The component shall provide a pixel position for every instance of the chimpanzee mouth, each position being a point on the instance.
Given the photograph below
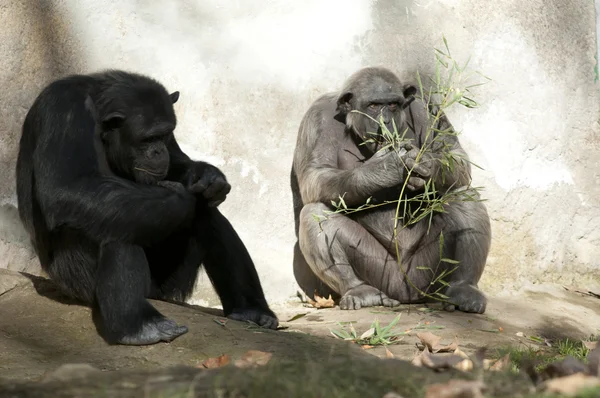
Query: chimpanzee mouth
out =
(152, 173)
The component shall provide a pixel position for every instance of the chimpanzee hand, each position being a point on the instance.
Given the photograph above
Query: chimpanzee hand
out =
(208, 181)
(428, 165)
(173, 186)
(402, 160)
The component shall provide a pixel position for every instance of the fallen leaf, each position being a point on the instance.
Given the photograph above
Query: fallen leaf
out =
(456, 389)
(366, 347)
(216, 362)
(501, 364)
(436, 362)
(253, 358)
(388, 353)
(320, 302)
(432, 342)
(500, 328)
(520, 334)
(221, 321)
(590, 345)
(465, 365)
(392, 395)
(461, 353)
(569, 385)
(297, 316)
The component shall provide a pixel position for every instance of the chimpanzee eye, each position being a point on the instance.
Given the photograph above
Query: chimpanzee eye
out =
(373, 107)
(393, 106)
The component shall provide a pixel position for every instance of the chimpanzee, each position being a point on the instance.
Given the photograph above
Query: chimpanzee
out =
(353, 256)
(118, 213)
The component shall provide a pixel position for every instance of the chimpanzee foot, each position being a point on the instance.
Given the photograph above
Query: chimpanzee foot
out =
(365, 296)
(266, 319)
(154, 331)
(466, 298)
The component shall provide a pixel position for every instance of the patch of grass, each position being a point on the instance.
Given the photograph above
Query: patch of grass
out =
(543, 356)
(375, 335)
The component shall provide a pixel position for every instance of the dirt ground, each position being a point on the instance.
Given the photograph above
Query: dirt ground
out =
(40, 331)
(549, 312)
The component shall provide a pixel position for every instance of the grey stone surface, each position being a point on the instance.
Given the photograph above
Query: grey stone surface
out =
(247, 71)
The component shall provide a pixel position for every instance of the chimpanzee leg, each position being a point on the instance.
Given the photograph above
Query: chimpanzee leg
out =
(122, 287)
(231, 269)
(174, 265)
(308, 281)
(467, 239)
(348, 258)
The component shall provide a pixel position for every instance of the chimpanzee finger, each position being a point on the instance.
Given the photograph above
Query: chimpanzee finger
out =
(220, 196)
(199, 186)
(408, 146)
(215, 203)
(417, 168)
(416, 183)
(215, 187)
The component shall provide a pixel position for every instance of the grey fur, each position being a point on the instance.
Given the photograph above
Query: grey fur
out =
(353, 256)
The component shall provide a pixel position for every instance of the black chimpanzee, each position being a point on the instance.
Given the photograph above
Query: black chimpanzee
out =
(118, 213)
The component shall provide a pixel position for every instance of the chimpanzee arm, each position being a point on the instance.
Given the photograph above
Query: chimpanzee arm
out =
(446, 149)
(316, 164)
(110, 208)
(203, 179)
(72, 191)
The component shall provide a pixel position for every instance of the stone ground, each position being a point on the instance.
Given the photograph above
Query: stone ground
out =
(40, 331)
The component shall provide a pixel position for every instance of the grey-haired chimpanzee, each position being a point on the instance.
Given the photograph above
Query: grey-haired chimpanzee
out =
(354, 255)
(118, 213)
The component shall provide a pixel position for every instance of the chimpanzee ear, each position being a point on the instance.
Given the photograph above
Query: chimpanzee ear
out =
(113, 121)
(409, 90)
(343, 103)
(174, 96)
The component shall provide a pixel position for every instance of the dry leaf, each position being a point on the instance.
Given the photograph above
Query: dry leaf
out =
(569, 385)
(388, 353)
(253, 358)
(320, 302)
(462, 354)
(590, 345)
(216, 362)
(520, 334)
(501, 364)
(366, 347)
(432, 342)
(392, 395)
(436, 362)
(456, 389)
(465, 365)
(297, 316)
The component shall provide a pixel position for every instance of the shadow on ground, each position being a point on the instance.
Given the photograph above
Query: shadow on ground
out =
(40, 331)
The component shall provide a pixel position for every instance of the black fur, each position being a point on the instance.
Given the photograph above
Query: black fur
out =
(118, 213)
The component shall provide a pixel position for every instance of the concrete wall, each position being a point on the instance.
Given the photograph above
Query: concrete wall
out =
(247, 71)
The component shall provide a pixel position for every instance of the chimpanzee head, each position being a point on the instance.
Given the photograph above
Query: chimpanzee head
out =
(376, 92)
(136, 120)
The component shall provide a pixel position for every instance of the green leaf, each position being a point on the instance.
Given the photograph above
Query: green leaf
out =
(449, 260)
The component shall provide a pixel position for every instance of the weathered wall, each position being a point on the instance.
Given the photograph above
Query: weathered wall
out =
(247, 71)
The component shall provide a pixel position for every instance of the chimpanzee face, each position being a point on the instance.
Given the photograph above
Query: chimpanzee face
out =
(378, 96)
(137, 137)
